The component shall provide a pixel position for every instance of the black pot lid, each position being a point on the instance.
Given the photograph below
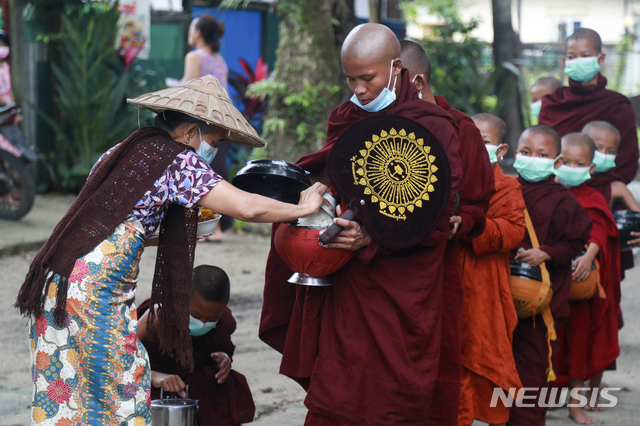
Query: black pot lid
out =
(395, 174)
(272, 178)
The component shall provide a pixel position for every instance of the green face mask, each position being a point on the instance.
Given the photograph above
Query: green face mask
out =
(199, 328)
(492, 149)
(535, 109)
(604, 162)
(582, 70)
(572, 176)
(534, 169)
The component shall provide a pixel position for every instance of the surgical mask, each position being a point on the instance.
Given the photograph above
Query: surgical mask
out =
(492, 150)
(206, 151)
(4, 52)
(572, 176)
(535, 108)
(199, 328)
(413, 81)
(582, 70)
(534, 169)
(604, 162)
(384, 99)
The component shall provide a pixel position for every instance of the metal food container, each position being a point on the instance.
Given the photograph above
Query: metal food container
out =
(172, 411)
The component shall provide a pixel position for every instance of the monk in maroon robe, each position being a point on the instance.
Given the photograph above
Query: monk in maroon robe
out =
(367, 348)
(589, 339)
(562, 226)
(476, 189)
(224, 397)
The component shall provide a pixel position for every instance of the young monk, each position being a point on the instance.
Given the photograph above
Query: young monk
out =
(542, 87)
(476, 190)
(359, 347)
(586, 99)
(589, 339)
(487, 357)
(562, 227)
(222, 393)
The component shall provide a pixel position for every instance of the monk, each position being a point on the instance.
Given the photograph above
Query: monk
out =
(223, 395)
(586, 99)
(476, 190)
(589, 339)
(487, 358)
(367, 348)
(542, 87)
(562, 226)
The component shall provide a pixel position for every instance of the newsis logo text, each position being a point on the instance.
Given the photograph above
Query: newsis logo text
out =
(552, 397)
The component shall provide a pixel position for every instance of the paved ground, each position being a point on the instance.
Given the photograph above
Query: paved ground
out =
(278, 399)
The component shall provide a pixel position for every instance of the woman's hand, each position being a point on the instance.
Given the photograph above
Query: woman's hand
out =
(224, 364)
(168, 382)
(582, 267)
(533, 256)
(311, 199)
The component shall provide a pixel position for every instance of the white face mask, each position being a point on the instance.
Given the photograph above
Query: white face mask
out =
(384, 99)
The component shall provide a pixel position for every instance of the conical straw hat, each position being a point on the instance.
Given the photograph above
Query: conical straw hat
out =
(205, 99)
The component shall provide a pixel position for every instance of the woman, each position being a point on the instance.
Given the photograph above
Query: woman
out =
(204, 35)
(88, 366)
(6, 94)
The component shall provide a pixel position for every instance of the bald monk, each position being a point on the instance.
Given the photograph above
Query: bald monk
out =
(562, 226)
(476, 189)
(367, 348)
(487, 358)
(542, 87)
(589, 339)
(586, 99)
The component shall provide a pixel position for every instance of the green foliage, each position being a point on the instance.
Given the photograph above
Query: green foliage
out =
(306, 111)
(90, 92)
(622, 50)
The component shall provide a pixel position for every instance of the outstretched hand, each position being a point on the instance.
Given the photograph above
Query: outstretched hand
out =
(224, 364)
(311, 198)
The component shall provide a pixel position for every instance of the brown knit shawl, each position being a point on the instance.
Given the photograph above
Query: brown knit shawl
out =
(116, 185)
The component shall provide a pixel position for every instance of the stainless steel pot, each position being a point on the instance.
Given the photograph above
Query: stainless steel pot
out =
(172, 411)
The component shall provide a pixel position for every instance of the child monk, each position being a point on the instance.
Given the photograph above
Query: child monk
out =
(586, 99)
(562, 227)
(476, 190)
(359, 346)
(589, 339)
(542, 87)
(222, 393)
(487, 357)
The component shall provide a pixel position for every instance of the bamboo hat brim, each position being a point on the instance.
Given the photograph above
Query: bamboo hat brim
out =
(203, 98)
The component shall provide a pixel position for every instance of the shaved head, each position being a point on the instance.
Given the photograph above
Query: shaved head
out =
(371, 43)
(581, 140)
(415, 59)
(497, 124)
(546, 131)
(548, 83)
(589, 35)
(604, 126)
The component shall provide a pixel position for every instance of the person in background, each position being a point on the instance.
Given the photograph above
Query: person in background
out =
(204, 36)
(542, 87)
(6, 93)
(224, 397)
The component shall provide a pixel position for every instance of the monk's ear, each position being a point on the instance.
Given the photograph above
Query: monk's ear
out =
(564, 62)
(419, 81)
(397, 66)
(558, 162)
(592, 169)
(601, 59)
(502, 150)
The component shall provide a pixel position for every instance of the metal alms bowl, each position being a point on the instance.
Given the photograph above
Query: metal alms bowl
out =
(274, 179)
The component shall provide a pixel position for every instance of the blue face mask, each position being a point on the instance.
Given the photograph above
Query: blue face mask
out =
(199, 328)
(572, 176)
(534, 169)
(582, 70)
(206, 151)
(384, 99)
(604, 162)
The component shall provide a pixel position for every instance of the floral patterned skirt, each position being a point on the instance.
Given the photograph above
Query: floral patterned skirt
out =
(93, 370)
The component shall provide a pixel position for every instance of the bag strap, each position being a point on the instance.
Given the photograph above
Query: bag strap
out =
(544, 289)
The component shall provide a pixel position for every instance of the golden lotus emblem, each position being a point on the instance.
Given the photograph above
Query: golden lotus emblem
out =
(397, 171)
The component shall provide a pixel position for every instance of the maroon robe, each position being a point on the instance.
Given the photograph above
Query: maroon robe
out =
(562, 226)
(589, 340)
(226, 404)
(367, 348)
(476, 189)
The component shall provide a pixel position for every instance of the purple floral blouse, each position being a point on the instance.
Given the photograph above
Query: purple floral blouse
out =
(184, 182)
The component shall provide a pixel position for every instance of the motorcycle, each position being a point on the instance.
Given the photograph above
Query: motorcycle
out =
(17, 187)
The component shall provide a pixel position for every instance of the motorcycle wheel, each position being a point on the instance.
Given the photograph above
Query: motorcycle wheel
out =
(17, 188)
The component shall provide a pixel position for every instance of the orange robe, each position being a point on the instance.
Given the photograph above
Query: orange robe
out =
(487, 358)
